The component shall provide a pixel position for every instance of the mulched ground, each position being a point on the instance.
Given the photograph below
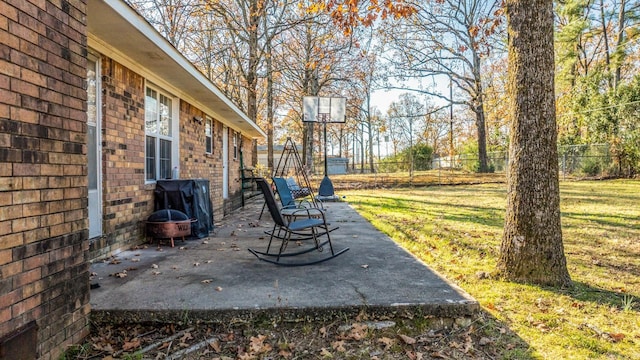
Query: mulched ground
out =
(345, 339)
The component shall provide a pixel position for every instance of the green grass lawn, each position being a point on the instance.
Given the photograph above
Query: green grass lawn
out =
(457, 231)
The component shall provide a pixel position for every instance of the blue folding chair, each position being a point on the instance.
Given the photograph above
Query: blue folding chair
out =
(287, 197)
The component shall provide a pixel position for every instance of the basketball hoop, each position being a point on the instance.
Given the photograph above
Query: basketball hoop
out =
(324, 109)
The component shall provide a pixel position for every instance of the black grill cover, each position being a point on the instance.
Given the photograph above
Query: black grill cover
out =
(190, 197)
(165, 215)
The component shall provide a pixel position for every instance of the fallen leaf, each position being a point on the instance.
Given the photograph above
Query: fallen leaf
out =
(206, 281)
(183, 248)
(387, 342)
(218, 288)
(128, 345)
(154, 266)
(135, 259)
(617, 337)
(258, 346)
(338, 346)
(205, 242)
(325, 353)
(103, 347)
(215, 345)
(577, 305)
(407, 339)
(156, 273)
(484, 341)
(542, 327)
(208, 261)
(323, 332)
(285, 354)
(186, 337)
(358, 331)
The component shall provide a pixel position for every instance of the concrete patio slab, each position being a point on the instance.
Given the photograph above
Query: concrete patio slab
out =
(217, 279)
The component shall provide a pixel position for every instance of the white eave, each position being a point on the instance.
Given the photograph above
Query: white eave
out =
(117, 31)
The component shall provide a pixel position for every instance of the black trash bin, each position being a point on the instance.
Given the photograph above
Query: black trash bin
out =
(190, 196)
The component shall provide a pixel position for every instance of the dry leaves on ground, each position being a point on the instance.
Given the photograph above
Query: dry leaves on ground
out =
(356, 340)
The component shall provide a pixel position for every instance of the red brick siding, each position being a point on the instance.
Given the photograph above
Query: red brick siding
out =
(196, 163)
(43, 183)
(127, 200)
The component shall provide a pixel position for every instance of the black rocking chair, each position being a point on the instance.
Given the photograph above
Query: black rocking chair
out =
(303, 224)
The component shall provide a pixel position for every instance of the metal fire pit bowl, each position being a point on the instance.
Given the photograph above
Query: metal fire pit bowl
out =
(169, 224)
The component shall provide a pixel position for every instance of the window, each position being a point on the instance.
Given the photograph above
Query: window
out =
(158, 129)
(235, 145)
(208, 133)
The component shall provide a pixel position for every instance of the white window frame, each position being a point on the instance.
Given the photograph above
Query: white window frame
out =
(235, 144)
(172, 136)
(208, 137)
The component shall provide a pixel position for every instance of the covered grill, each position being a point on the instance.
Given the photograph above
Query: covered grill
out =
(169, 224)
(190, 196)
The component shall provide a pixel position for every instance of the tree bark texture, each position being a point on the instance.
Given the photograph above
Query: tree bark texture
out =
(478, 108)
(532, 249)
(252, 67)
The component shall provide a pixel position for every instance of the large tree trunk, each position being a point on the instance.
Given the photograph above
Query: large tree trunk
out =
(532, 249)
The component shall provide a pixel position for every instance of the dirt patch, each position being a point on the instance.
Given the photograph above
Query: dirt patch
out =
(346, 339)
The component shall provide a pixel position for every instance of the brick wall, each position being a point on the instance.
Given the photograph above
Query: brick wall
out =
(127, 200)
(196, 163)
(43, 185)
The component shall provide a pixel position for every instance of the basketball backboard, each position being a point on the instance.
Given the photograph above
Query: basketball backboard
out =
(324, 109)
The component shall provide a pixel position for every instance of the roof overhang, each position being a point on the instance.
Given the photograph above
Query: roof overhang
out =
(118, 31)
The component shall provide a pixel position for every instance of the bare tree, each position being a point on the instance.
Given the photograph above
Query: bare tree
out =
(172, 18)
(314, 60)
(448, 40)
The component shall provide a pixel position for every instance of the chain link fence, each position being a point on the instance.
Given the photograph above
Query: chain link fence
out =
(574, 161)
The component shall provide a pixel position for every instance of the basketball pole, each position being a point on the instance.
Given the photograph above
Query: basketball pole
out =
(326, 191)
(326, 167)
(316, 109)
